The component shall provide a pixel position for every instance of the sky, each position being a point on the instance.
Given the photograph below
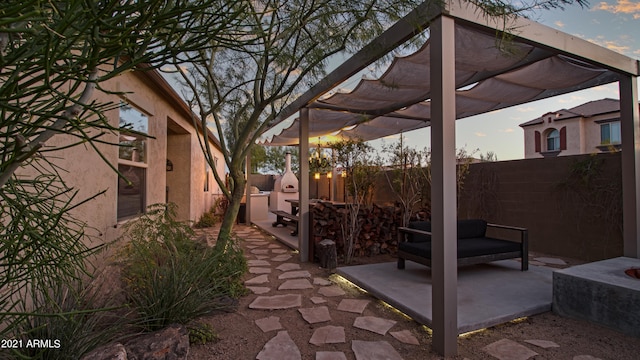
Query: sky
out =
(614, 24)
(611, 24)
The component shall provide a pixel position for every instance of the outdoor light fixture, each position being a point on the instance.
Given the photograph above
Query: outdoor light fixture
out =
(319, 160)
(329, 175)
(169, 165)
(316, 176)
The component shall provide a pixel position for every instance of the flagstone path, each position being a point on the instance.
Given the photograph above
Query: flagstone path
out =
(283, 289)
(279, 292)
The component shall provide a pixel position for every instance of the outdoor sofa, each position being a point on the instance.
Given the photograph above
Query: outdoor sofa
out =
(474, 247)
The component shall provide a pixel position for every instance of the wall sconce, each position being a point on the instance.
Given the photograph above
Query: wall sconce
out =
(329, 175)
(169, 165)
(316, 176)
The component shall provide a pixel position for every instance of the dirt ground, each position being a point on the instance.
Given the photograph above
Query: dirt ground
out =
(241, 338)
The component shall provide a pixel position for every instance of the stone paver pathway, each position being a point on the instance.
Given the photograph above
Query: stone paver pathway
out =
(276, 278)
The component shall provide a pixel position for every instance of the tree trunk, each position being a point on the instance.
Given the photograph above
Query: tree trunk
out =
(230, 216)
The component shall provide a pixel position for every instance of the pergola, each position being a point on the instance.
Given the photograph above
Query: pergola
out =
(464, 69)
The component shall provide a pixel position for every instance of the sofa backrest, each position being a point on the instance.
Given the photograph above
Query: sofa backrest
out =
(419, 225)
(471, 228)
(467, 229)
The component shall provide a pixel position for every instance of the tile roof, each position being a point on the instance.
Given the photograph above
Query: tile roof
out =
(589, 109)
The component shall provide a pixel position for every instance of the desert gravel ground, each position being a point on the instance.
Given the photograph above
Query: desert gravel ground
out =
(544, 336)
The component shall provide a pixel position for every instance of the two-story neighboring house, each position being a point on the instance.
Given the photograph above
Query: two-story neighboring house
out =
(588, 128)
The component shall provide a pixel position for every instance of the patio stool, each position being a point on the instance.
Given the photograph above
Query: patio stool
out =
(327, 254)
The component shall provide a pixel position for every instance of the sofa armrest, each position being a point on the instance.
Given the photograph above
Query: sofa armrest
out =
(404, 231)
(524, 241)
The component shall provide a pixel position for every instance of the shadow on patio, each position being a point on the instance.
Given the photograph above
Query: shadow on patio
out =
(488, 294)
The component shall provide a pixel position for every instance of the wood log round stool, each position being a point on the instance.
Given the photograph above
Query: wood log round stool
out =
(327, 254)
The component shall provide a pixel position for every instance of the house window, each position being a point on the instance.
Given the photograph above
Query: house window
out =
(132, 161)
(610, 133)
(207, 171)
(553, 140)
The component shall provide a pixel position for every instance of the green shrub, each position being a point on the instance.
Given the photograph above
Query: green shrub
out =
(200, 333)
(169, 278)
(70, 321)
(207, 220)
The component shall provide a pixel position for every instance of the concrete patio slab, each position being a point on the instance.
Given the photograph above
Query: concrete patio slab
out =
(374, 350)
(488, 294)
(282, 234)
(550, 260)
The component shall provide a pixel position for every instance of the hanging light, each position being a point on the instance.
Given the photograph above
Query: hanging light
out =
(319, 160)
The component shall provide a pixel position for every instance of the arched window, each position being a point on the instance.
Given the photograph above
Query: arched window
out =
(553, 140)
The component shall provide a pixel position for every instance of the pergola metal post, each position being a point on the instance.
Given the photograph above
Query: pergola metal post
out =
(444, 271)
(630, 131)
(303, 188)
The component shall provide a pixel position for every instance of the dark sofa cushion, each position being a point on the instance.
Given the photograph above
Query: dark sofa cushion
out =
(466, 247)
(485, 246)
(471, 228)
(419, 225)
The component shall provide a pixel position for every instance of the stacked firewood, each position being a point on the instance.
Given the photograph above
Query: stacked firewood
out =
(378, 228)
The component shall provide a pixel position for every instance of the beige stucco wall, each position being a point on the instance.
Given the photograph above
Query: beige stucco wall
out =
(89, 174)
(583, 135)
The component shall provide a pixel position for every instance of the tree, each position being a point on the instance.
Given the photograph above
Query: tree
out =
(408, 177)
(272, 158)
(284, 47)
(361, 164)
(54, 56)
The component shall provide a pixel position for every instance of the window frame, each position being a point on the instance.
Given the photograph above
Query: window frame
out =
(139, 163)
(555, 139)
(608, 125)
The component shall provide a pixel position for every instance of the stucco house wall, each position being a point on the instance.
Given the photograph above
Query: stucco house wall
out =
(579, 129)
(172, 136)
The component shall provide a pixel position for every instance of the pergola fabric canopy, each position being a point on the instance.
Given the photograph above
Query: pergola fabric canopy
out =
(490, 74)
